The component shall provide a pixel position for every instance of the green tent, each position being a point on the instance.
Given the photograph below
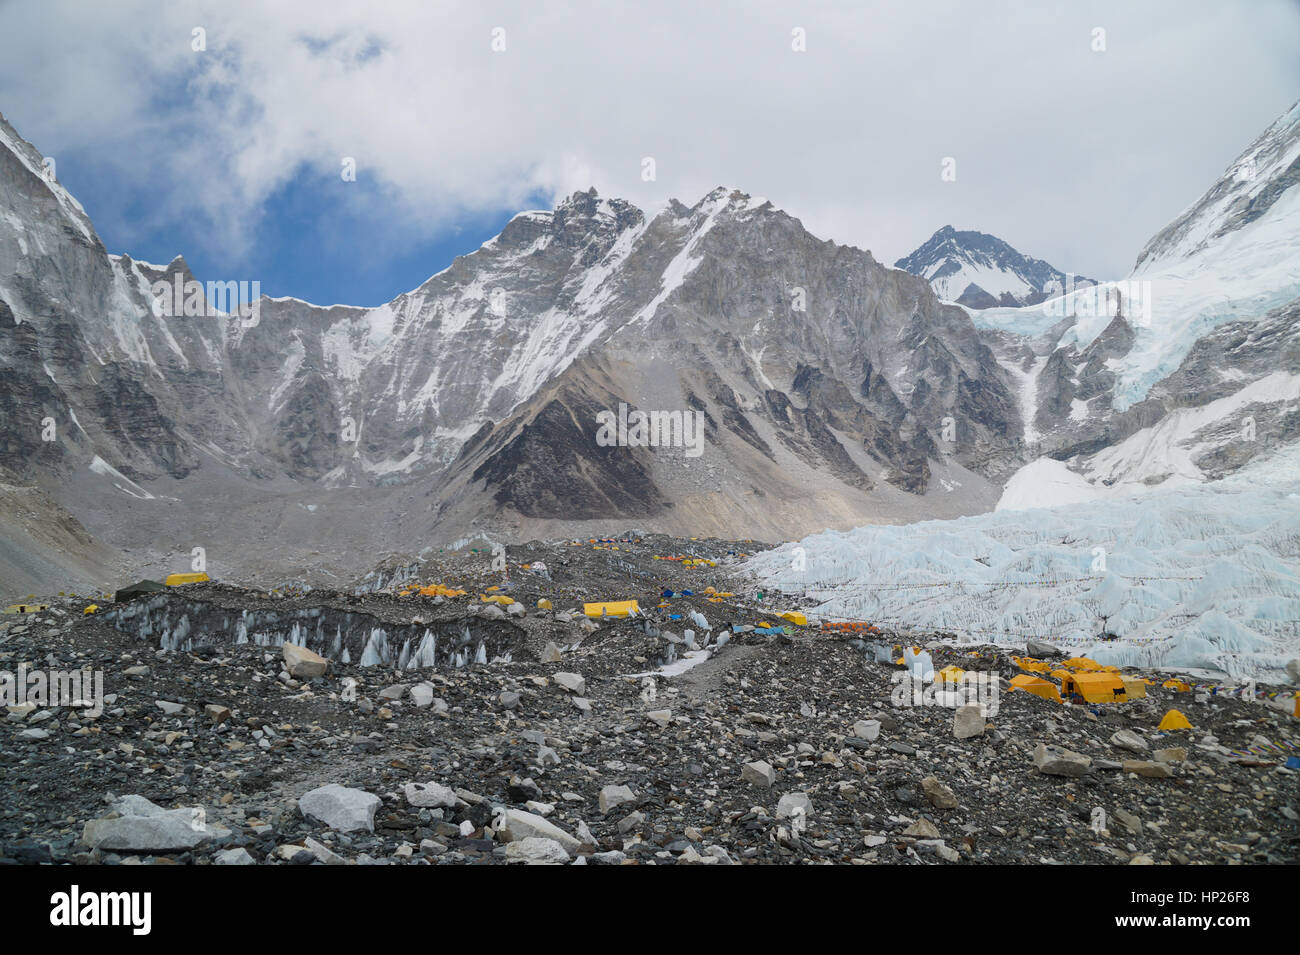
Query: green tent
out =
(142, 587)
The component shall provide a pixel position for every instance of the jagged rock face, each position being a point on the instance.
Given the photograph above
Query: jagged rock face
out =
(796, 350)
(982, 271)
(553, 467)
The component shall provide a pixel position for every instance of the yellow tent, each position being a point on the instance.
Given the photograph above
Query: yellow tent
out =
(26, 608)
(1177, 685)
(950, 674)
(1136, 689)
(1082, 663)
(795, 617)
(1095, 687)
(498, 599)
(1032, 665)
(1037, 686)
(179, 580)
(1175, 721)
(611, 608)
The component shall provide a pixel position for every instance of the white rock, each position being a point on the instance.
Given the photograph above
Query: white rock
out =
(233, 857)
(614, 796)
(134, 824)
(340, 808)
(322, 853)
(1127, 739)
(758, 773)
(515, 824)
(867, 729)
(431, 796)
(572, 682)
(1054, 761)
(790, 802)
(969, 720)
(535, 850)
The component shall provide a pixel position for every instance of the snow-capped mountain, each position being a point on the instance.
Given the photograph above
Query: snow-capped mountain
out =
(982, 271)
(833, 391)
(826, 381)
(1188, 368)
(828, 384)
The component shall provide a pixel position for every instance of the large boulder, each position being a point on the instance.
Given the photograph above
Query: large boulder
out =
(302, 663)
(1042, 651)
(432, 796)
(134, 824)
(1055, 761)
(536, 851)
(790, 803)
(1127, 739)
(340, 808)
(573, 682)
(969, 720)
(513, 825)
(612, 797)
(758, 773)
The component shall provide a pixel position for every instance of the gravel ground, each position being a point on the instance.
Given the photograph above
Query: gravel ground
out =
(780, 747)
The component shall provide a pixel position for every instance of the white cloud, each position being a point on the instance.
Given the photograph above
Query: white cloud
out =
(1071, 155)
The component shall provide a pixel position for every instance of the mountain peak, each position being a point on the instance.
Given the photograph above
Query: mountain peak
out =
(980, 270)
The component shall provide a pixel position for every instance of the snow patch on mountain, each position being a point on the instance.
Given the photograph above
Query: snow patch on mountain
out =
(1045, 483)
(123, 483)
(685, 261)
(1167, 450)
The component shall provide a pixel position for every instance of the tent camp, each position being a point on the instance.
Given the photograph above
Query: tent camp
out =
(141, 587)
(1094, 687)
(26, 608)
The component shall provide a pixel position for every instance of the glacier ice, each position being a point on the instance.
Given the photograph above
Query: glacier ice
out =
(1204, 578)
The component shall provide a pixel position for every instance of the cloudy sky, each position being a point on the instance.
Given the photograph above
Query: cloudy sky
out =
(233, 154)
